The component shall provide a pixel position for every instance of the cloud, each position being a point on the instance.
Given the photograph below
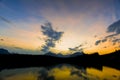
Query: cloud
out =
(104, 40)
(80, 73)
(52, 36)
(100, 41)
(5, 20)
(115, 30)
(18, 48)
(115, 41)
(115, 27)
(97, 42)
(1, 39)
(76, 73)
(43, 75)
(110, 36)
(49, 32)
(77, 48)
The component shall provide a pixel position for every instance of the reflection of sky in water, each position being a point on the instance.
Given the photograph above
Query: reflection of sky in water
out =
(61, 72)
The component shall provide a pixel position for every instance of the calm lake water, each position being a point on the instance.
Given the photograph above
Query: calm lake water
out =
(60, 72)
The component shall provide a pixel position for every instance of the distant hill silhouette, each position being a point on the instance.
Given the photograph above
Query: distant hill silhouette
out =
(4, 51)
(17, 60)
(64, 56)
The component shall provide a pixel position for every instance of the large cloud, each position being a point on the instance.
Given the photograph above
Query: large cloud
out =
(52, 36)
(115, 27)
(49, 32)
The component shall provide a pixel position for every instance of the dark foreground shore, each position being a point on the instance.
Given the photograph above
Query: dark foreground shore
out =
(92, 60)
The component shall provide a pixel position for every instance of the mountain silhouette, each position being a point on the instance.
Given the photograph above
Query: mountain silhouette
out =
(64, 56)
(4, 51)
(78, 58)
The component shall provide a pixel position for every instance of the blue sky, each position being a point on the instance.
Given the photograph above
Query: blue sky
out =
(80, 20)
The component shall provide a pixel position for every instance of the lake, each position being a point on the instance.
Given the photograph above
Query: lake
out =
(61, 72)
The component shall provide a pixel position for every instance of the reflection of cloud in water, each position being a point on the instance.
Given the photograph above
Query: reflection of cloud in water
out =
(60, 72)
(43, 75)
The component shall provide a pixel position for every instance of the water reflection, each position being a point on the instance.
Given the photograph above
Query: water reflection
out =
(60, 72)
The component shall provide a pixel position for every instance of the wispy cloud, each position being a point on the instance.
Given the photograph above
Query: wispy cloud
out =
(5, 20)
(77, 48)
(18, 48)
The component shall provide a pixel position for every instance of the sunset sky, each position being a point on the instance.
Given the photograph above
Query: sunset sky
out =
(75, 25)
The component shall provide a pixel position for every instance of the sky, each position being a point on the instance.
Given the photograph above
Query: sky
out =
(60, 26)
